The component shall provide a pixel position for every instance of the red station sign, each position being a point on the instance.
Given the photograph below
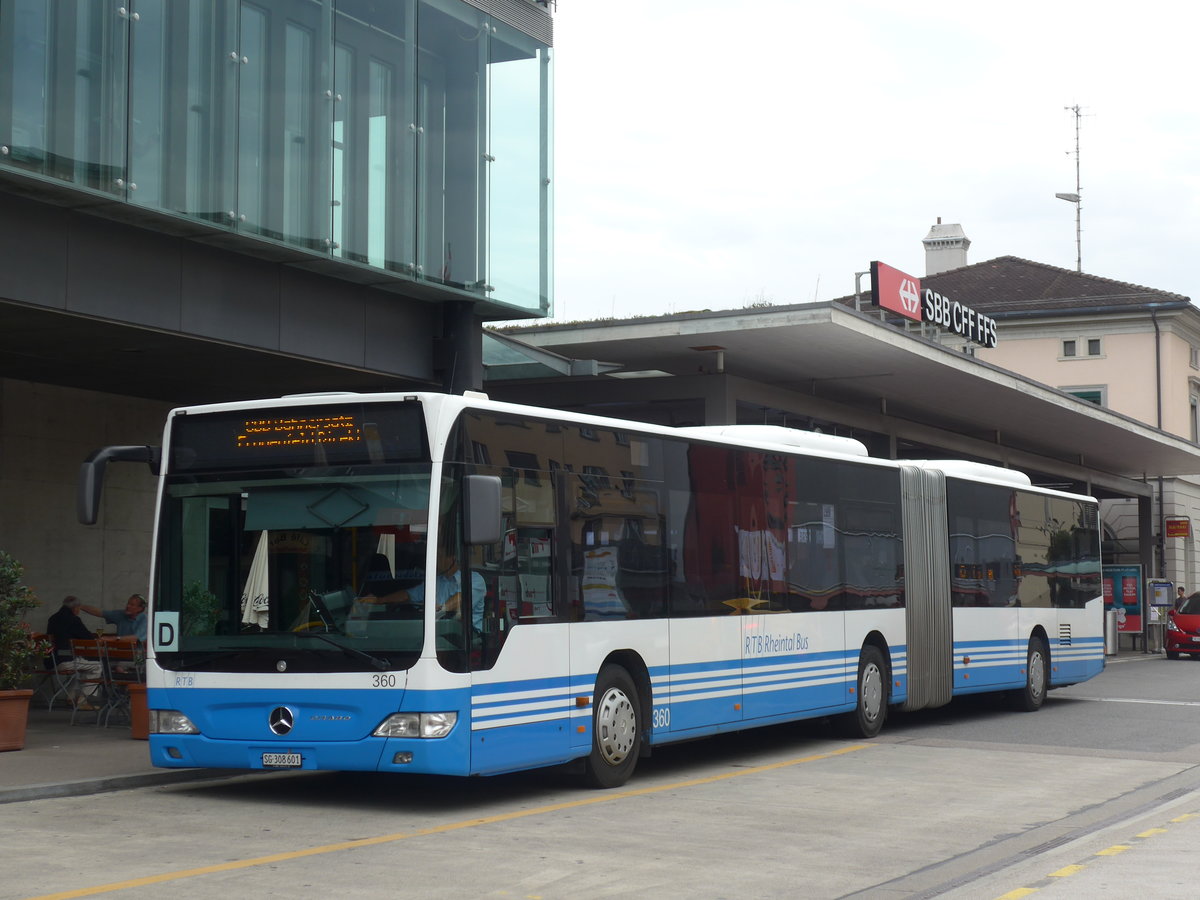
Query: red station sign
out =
(896, 290)
(901, 293)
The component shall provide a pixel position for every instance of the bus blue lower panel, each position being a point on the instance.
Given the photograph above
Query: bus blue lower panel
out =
(330, 730)
(1080, 660)
(798, 684)
(1000, 665)
(515, 747)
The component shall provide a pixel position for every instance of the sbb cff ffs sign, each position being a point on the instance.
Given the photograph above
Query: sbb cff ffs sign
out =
(899, 292)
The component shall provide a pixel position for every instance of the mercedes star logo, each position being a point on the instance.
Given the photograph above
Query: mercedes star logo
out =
(281, 720)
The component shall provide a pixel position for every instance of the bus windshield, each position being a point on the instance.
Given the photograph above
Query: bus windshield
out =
(277, 529)
(293, 565)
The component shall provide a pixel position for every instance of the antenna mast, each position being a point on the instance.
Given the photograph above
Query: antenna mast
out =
(1078, 195)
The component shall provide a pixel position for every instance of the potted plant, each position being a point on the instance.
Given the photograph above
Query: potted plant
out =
(201, 609)
(19, 652)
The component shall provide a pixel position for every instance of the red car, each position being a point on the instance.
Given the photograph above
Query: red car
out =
(1183, 628)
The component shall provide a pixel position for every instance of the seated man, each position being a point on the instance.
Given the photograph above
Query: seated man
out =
(449, 591)
(130, 621)
(66, 626)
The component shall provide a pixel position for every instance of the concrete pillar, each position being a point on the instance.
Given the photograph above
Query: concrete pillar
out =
(461, 357)
(720, 401)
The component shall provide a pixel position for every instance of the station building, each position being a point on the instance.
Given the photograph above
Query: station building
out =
(1085, 383)
(214, 199)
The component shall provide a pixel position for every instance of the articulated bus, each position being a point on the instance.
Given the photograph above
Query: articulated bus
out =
(600, 586)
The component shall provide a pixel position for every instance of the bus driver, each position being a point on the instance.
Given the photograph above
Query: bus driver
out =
(449, 591)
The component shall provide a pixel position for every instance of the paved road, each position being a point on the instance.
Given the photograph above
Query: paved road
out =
(1096, 795)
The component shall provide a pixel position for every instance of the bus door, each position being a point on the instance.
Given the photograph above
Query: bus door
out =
(522, 676)
(928, 619)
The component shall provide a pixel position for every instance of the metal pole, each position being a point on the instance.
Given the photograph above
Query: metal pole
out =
(1078, 196)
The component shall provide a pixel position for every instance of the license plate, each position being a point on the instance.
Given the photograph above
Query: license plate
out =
(281, 760)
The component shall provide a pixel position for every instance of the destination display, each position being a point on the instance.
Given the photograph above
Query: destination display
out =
(299, 431)
(346, 434)
(901, 293)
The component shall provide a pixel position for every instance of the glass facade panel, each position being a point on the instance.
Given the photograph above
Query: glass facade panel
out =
(183, 108)
(518, 169)
(253, 161)
(411, 136)
(451, 68)
(299, 169)
(62, 91)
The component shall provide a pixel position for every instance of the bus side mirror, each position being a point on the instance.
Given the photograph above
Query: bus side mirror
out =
(91, 476)
(482, 521)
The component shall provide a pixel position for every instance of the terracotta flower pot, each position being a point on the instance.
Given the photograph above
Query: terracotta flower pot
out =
(139, 714)
(14, 716)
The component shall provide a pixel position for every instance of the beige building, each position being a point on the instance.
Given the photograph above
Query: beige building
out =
(1128, 348)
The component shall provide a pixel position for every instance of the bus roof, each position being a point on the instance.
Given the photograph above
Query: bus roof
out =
(776, 437)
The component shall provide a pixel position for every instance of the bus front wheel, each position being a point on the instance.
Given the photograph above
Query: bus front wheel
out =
(872, 690)
(616, 729)
(1037, 668)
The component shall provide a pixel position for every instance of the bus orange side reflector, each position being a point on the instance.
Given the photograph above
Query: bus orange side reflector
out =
(581, 729)
(737, 706)
(581, 702)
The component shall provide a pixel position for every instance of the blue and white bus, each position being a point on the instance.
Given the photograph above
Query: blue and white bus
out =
(600, 586)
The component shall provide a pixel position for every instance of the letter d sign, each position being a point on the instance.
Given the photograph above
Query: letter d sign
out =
(166, 631)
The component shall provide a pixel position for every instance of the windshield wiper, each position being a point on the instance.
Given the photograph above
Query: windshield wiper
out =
(381, 664)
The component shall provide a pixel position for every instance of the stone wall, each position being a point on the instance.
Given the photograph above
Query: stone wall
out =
(45, 433)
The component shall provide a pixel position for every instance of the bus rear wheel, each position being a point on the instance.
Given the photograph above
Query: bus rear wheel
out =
(872, 690)
(616, 729)
(1037, 668)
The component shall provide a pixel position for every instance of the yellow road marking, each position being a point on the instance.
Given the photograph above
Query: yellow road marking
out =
(438, 829)
(1065, 872)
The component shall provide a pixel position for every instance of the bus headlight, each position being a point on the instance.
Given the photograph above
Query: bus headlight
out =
(171, 721)
(417, 725)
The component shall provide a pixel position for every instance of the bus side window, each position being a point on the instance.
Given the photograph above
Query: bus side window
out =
(529, 551)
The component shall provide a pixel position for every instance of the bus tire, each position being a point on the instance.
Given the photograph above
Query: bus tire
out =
(1037, 671)
(616, 729)
(872, 691)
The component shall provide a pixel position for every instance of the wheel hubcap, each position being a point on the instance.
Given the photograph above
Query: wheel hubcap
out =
(1037, 674)
(872, 692)
(615, 726)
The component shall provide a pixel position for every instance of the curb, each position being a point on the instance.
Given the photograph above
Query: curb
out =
(88, 786)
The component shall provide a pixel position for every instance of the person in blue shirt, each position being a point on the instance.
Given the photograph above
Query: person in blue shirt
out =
(130, 621)
(449, 592)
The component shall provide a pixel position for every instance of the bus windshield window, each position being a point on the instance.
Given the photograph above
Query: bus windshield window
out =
(292, 566)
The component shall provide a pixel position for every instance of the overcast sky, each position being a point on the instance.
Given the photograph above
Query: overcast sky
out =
(712, 154)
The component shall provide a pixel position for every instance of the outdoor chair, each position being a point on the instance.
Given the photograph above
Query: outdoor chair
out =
(89, 651)
(123, 667)
(63, 679)
(47, 682)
